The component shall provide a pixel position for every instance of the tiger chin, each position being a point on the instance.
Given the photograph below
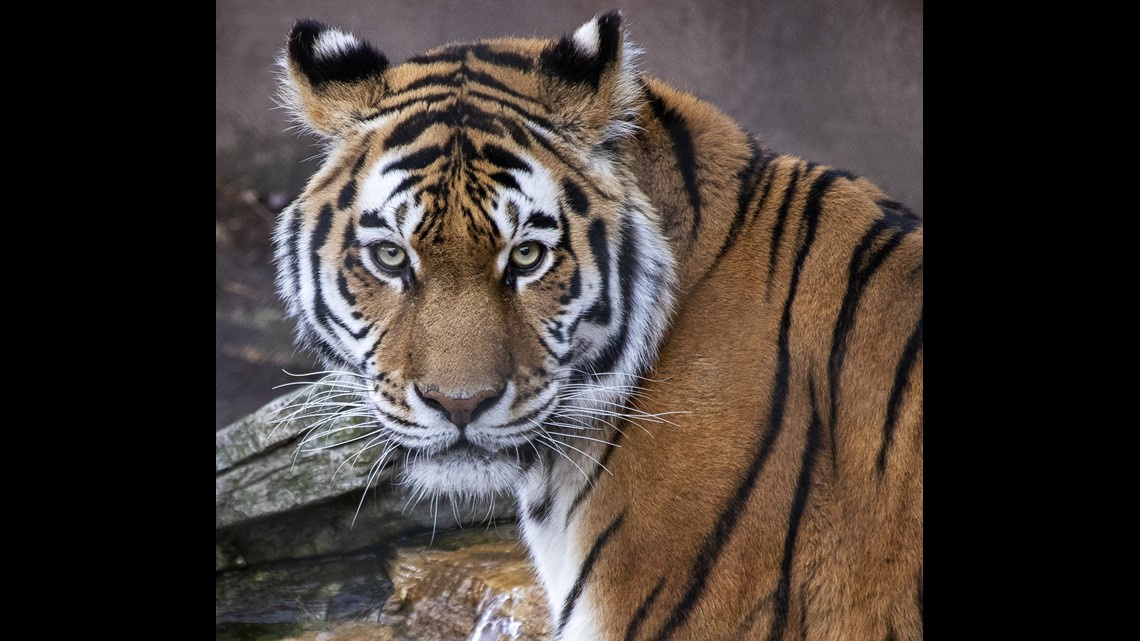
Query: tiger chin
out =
(695, 362)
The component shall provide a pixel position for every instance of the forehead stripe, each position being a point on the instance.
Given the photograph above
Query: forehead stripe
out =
(372, 218)
(541, 220)
(480, 52)
(503, 158)
(416, 160)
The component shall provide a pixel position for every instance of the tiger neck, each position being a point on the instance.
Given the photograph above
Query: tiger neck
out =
(554, 501)
(685, 167)
(687, 157)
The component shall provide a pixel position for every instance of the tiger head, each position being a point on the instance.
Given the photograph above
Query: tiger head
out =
(474, 252)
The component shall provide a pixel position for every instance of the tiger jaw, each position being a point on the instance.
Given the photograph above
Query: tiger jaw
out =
(465, 468)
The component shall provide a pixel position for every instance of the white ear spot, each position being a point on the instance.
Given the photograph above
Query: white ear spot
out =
(334, 43)
(586, 38)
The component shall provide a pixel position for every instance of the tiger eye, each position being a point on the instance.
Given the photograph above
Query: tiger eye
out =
(527, 256)
(390, 256)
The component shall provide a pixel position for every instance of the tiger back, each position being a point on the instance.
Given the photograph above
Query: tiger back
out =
(695, 363)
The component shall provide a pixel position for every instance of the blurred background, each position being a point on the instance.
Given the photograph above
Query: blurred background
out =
(839, 82)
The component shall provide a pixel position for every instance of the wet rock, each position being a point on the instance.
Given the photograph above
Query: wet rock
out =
(465, 585)
(338, 588)
(303, 551)
(479, 592)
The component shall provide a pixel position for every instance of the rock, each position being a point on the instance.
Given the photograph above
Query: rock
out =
(274, 502)
(340, 588)
(481, 592)
(261, 468)
(303, 551)
(466, 585)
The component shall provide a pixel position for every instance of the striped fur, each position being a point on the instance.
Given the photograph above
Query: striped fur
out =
(707, 396)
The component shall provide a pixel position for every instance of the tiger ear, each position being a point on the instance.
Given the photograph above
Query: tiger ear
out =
(332, 79)
(590, 82)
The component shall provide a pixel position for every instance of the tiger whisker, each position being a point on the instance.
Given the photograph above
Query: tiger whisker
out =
(556, 446)
(585, 438)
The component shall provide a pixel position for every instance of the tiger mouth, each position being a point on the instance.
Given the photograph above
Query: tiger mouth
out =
(465, 452)
(463, 468)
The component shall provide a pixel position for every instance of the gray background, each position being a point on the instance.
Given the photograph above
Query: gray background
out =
(839, 82)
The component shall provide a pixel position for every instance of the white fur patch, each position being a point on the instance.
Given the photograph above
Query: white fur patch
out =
(550, 544)
(333, 43)
(538, 194)
(587, 39)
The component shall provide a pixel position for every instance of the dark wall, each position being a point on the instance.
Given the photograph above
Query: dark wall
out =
(836, 81)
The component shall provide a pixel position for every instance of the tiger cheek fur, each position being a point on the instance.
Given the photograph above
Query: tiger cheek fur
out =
(696, 363)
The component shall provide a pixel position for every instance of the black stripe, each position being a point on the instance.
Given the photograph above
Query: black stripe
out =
(554, 151)
(503, 159)
(524, 419)
(584, 572)
(716, 541)
(448, 54)
(347, 195)
(678, 130)
(404, 103)
(891, 633)
(902, 373)
(749, 177)
(342, 286)
(372, 218)
(639, 616)
(446, 93)
(411, 129)
(487, 80)
(322, 315)
(449, 79)
(325, 316)
(599, 312)
(405, 184)
(356, 166)
(627, 261)
(506, 180)
(541, 220)
(799, 504)
(462, 115)
(392, 418)
(462, 78)
(293, 246)
(896, 208)
(574, 292)
(857, 277)
(366, 143)
(518, 109)
(575, 198)
(503, 58)
(479, 51)
(416, 160)
(347, 242)
(778, 230)
(539, 511)
(325, 353)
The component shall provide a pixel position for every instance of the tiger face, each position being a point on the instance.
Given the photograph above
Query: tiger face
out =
(473, 254)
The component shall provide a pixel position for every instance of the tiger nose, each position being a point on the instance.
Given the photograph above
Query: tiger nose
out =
(461, 410)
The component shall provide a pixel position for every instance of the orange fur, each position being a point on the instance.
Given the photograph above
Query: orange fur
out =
(785, 499)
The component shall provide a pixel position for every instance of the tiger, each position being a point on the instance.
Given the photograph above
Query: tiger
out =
(694, 362)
